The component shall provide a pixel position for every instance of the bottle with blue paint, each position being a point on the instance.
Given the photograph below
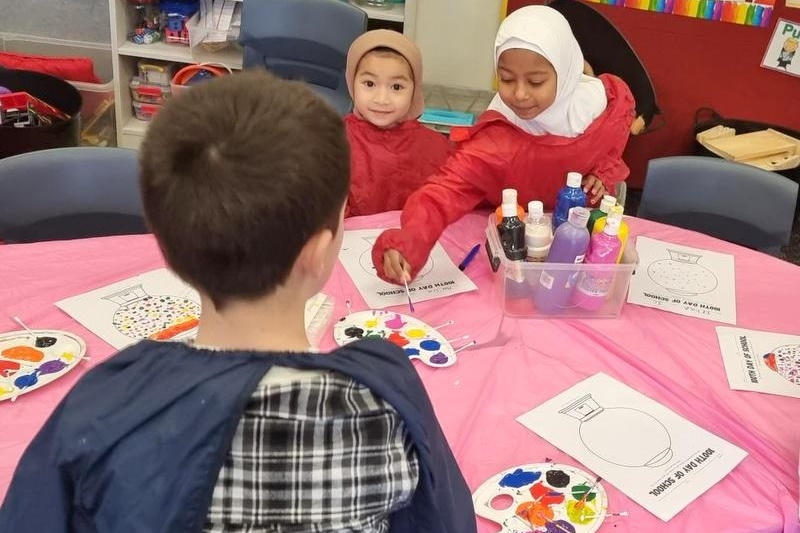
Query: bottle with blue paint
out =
(570, 196)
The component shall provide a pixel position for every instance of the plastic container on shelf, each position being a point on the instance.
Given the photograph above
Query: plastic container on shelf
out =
(149, 93)
(521, 304)
(145, 111)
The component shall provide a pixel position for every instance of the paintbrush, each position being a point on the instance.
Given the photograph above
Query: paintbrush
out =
(408, 295)
(582, 501)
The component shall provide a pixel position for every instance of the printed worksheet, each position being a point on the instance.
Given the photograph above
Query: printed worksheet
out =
(684, 280)
(439, 278)
(653, 455)
(761, 361)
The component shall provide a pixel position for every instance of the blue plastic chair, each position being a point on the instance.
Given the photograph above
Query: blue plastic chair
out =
(303, 40)
(70, 193)
(731, 201)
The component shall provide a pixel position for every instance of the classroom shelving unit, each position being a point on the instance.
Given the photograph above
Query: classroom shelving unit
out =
(126, 54)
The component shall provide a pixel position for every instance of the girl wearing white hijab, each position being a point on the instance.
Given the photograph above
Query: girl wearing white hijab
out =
(546, 120)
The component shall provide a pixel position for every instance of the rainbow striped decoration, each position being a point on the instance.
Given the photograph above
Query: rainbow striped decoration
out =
(734, 11)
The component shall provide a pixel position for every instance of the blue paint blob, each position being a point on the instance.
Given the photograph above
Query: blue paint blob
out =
(519, 478)
(430, 345)
(28, 380)
(411, 351)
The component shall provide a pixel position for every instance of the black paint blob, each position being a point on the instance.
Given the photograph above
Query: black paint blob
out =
(557, 478)
(354, 332)
(45, 342)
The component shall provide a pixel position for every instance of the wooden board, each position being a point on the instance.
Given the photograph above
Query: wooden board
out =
(753, 145)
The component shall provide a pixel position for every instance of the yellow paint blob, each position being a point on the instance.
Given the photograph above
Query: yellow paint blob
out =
(67, 356)
(371, 323)
(580, 514)
(415, 333)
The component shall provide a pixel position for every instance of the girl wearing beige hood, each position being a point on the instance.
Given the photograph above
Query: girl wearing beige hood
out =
(391, 153)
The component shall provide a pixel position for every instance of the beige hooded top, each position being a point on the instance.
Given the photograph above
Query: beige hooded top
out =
(400, 44)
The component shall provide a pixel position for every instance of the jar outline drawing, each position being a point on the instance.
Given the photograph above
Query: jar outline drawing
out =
(129, 322)
(651, 448)
(785, 361)
(365, 261)
(682, 275)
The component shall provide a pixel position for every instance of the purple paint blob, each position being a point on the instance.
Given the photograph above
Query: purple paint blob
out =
(430, 345)
(28, 380)
(51, 367)
(519, 478)
(411, 351)
(439, 359)
(559, 526)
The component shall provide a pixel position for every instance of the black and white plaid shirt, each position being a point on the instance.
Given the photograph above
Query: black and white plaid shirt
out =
(314, 452)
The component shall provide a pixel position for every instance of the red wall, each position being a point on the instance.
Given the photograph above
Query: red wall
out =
(698, 63)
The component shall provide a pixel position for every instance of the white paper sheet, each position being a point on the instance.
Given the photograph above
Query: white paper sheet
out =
(761, 361)
(156, 303)
(659, 459)
(684, 280)
(439, 278)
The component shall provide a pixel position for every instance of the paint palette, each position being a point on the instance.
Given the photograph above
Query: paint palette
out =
(542, 497)
(29, 361)
(415, 337)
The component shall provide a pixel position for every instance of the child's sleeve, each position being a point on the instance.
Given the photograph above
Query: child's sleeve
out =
(469, 176)
(610, 168)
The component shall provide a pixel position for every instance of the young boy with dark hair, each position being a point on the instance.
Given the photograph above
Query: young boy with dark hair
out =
(244, 180)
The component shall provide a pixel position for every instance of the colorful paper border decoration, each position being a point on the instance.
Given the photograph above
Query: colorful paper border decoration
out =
(745, 13)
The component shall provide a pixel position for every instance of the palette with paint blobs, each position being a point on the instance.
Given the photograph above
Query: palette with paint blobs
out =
(542, 497)
(415, 337)
(31, 360)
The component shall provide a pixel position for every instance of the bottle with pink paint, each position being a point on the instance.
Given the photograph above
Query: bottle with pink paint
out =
(594, 286)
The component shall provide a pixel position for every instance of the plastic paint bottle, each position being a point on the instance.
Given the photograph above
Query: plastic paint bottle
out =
(593, 287)
(616, 212)
(569, 246)
(606, 204)
(570, 196)
(512, 233)
(509, 197)
(538, 232)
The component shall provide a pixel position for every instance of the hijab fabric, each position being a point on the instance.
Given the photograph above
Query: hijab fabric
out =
(579, 98)
(399, 43)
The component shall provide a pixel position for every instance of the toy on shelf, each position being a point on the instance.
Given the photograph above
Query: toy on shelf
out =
(767, 149)
(176, 13)
(148, 28)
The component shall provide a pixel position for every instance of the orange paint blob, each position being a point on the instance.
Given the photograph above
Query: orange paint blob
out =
(535, 513)
(23, 353)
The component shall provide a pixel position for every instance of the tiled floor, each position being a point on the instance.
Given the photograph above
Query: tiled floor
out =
(791, 253)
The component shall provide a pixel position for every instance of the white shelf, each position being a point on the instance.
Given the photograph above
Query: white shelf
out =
(396, 14)
(231, 55)
(134, 126)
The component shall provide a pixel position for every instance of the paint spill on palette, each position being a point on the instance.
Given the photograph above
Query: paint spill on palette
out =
(544, 497)
(29, 361)
(415, 337)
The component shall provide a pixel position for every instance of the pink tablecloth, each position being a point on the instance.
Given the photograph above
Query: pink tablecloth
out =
(516, 365)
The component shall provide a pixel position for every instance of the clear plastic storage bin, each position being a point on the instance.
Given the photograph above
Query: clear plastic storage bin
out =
(516, 282)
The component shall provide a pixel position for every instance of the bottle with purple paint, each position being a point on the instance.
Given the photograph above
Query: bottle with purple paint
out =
(569, 246)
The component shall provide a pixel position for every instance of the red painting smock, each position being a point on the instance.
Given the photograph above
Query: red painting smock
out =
(387, 165)
(494, 155)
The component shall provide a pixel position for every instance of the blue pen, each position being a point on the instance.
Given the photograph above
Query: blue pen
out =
(470, 256)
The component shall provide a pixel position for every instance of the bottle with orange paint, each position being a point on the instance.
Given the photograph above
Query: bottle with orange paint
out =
(509, 197)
